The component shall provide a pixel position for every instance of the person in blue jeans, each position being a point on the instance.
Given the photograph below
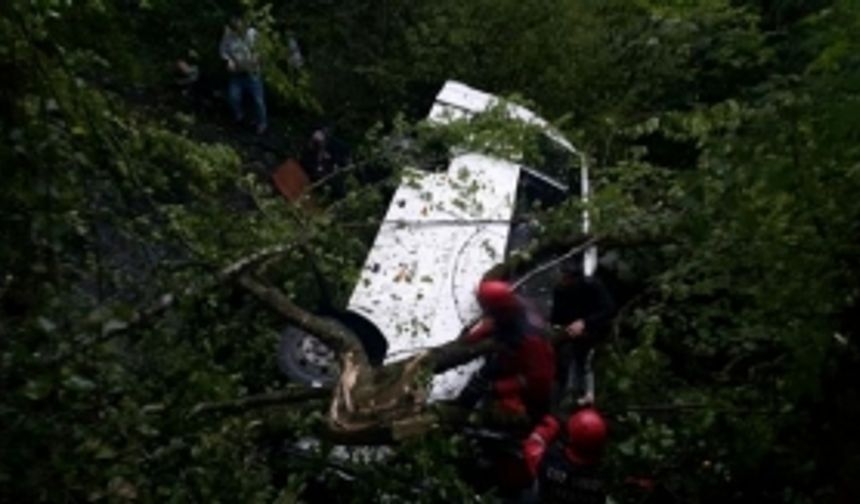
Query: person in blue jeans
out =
(239, 51)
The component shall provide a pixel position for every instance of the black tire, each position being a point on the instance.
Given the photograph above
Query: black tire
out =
(305, 359)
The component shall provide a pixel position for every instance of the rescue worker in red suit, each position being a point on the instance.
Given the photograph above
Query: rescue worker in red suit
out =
(521, 375)
(564, 458)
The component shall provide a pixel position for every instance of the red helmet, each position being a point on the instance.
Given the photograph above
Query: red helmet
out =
(586, 436)
(497, 296)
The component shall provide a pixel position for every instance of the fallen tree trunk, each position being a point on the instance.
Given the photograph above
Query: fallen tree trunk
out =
(342, 342)
(383, 405)
(378, 405)
(375, 405)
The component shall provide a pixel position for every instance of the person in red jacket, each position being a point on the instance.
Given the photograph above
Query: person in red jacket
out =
(565, 458)
(520, 376)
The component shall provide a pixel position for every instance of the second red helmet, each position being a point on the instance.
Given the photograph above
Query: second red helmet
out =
(586, 436)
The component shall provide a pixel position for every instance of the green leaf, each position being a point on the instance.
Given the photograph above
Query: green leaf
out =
(79, 384)
(38, 389)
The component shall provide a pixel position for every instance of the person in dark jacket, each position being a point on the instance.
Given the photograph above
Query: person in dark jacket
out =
(564, 458)
(585, 308)
(323, 154)
(520, 377)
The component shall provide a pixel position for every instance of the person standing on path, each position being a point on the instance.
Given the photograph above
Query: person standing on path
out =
(239, 51)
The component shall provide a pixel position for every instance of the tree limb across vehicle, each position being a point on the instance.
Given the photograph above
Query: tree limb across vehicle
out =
(374, 405)
(342, 342)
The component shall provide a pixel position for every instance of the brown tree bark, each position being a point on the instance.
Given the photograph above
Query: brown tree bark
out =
(374, 405)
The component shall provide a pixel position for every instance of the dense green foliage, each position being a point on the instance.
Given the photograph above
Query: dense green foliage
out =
(724, 141)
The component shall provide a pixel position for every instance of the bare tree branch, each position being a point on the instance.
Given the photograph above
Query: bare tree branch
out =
(169, 299)
(385, 404)
(554, 262)
(241, 405)
(339, 340)
(142, 316)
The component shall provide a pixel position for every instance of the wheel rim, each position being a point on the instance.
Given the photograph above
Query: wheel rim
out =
(314, 357)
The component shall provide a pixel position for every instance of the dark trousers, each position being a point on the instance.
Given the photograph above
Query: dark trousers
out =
(250, 85)
(575, 374)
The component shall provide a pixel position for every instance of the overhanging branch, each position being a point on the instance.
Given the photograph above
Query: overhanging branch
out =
(142, 316)
(339, 340)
